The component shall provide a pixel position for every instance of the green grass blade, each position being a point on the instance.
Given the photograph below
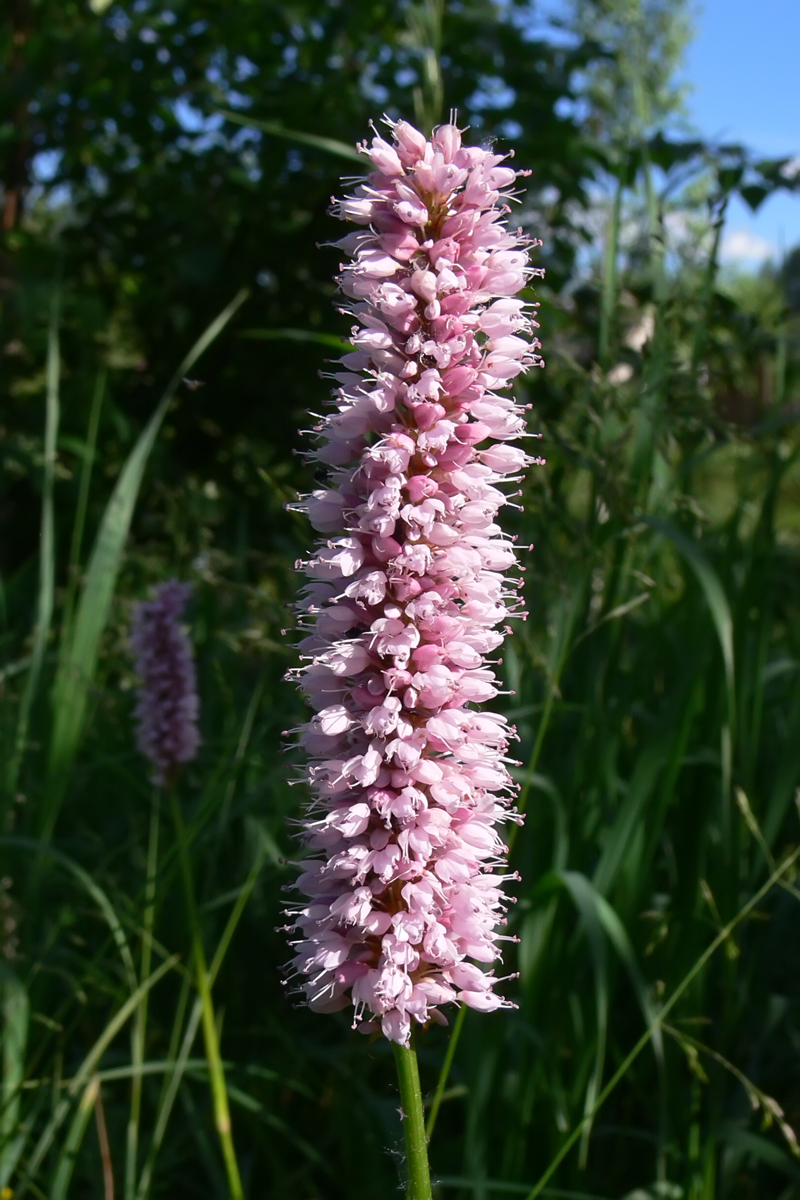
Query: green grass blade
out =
(583, 896)
(178, 1067)
(723, 623)
(172, 1079)
(633, 810)
(139, 1032)
(16, 1015)
(250, 1104)
(536, 926)
(92, 888)
(441, 1083)
(83, 492)
(564, 616)
(85, 1071)
(608, 299)
(722, 937)
(787, 773)
(712, 589)
(423, 34)
(511, 1189)
(578, 884)
(560, 819)
(78, 664)
(47, 544)
(219, 1090)
(276, 129)
(761, 1148)
(65, 1164)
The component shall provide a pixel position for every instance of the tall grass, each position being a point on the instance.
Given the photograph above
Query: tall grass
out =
(662, 767)
(656, 689)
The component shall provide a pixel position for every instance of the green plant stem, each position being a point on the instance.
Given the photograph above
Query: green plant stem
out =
(219, 1091)
(436, 1103)
(609, 294)
(140, 1026)
(66, 1159)
(62, 1106)
(419, 1178)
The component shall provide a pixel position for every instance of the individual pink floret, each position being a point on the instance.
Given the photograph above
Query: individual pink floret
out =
(408, 596)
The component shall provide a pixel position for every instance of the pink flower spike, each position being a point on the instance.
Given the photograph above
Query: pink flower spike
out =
(167, 707)
(403, 889)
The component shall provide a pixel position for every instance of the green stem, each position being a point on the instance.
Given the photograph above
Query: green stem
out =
(419, 1178)
(609, 294)
(219, 1091)
(140, 1026)
(438, 1095)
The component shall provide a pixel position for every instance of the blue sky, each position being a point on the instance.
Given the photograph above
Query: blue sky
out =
(744, 70)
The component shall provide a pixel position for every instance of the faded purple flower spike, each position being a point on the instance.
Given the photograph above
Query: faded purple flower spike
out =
(409, 596)
(167, 708)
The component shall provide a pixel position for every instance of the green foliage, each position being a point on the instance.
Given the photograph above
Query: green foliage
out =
(80, 640)
(655, 685)
(633, 92)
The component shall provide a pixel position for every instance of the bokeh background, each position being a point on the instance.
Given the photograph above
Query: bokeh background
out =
(157, 157)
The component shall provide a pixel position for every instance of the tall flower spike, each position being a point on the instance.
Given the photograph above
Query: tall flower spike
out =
(403, 883)
(167, 707)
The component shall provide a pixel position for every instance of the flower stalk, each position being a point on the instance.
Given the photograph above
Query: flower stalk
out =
(140, 1022)
(419, 1178)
